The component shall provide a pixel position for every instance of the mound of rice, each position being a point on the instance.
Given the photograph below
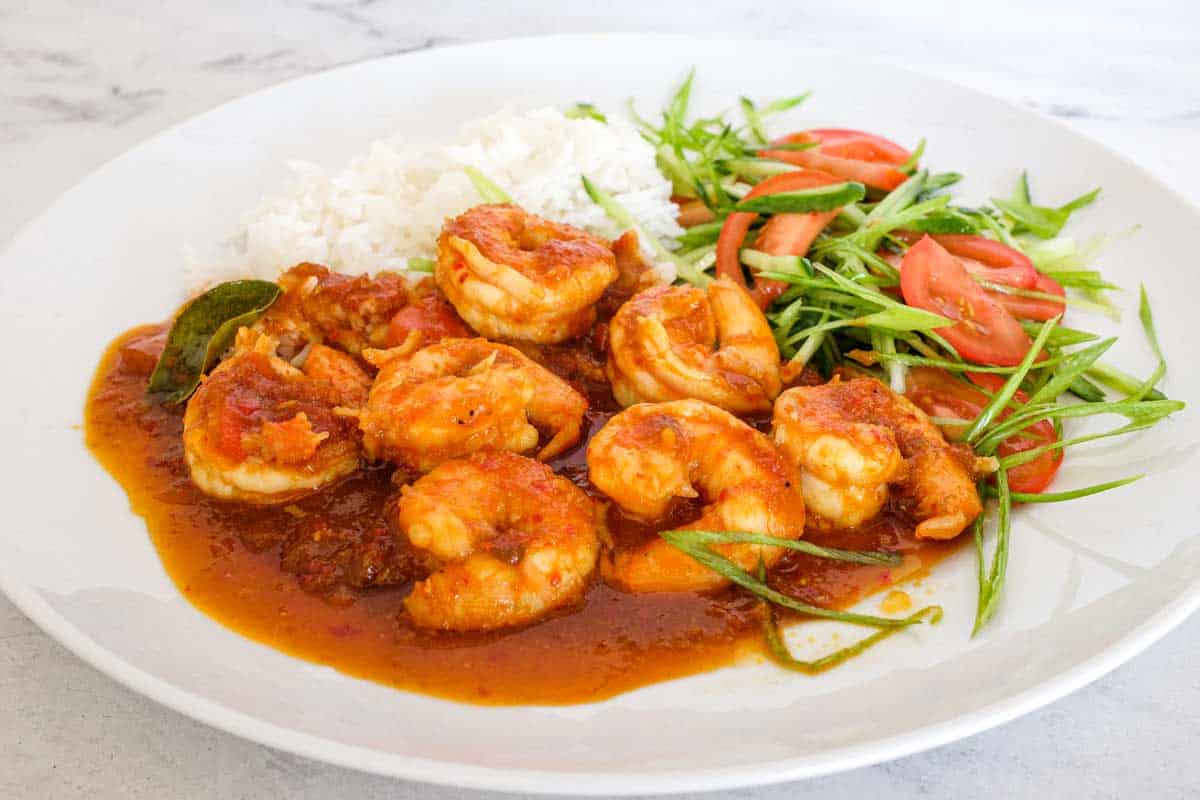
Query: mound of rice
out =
(388, 204)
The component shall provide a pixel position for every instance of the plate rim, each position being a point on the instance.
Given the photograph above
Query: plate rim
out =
(541, 781)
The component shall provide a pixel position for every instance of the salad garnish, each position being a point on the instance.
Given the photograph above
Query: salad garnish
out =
(880, 268)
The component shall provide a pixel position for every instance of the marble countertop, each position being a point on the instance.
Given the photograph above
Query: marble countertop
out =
(83, 80)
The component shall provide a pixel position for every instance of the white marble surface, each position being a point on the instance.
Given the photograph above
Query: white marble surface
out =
(83, 80)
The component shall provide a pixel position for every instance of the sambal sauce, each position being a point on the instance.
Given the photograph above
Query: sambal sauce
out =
(323, 578)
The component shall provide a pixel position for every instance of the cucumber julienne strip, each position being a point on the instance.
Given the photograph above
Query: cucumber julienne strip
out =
(804, 201)
(756, 169)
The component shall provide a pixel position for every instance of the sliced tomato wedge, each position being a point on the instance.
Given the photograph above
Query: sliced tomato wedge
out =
(791, 234)
(934, 280)
(998, 263)
(849, 154)
(939, 394)
(783, 235)
(987, 258)
(1035, 308)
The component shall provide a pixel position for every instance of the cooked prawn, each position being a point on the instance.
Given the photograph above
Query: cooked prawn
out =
(651, 454)
(350, 311)
(262, 431)
(462, 395)
(634, 274)
(513, 542)
(856, 440)
(340, 371)
(512, 275)
(675, 342)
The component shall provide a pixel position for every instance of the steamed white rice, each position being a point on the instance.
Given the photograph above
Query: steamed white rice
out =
(389, 203)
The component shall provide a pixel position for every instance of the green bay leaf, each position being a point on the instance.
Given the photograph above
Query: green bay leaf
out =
(202, 331)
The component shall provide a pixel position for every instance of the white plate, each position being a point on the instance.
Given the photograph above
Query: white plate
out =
(1091, 583)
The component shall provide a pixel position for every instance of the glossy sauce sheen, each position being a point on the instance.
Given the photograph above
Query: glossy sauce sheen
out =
(226, 559)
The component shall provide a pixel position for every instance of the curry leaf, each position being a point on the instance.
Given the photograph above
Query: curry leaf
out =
(202, 331)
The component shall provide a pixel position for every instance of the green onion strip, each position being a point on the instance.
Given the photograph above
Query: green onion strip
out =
(696, 543)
